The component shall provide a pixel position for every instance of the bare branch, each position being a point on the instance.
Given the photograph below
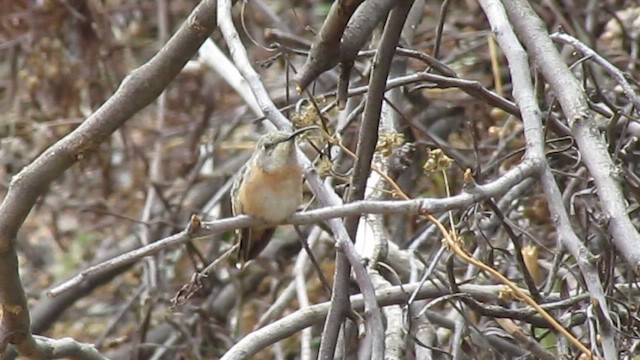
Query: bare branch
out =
(364, 154)
(208, 229)
(616, 73)
(65, 348)
(524, 94)
(326, 46)
(531, 31)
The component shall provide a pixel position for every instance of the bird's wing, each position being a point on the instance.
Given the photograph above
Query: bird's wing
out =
(252, 242)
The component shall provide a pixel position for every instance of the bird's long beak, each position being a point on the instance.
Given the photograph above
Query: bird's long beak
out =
(300, 131)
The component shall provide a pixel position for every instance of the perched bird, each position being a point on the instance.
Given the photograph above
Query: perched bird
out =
(268, 187)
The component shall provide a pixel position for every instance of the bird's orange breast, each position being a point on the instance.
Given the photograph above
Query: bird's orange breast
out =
(272, 196)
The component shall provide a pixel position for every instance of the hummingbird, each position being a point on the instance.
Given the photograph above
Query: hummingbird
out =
(268, 187)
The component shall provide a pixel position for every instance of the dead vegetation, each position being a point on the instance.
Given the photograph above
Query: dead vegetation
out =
(499, 195)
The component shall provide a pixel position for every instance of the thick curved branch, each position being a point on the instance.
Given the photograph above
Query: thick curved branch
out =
(137, 90)
(396, 295)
